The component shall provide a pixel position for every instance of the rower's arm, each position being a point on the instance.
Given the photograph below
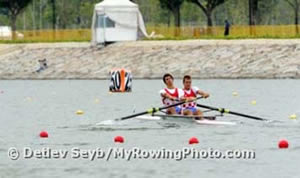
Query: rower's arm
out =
(202, 93)
(181, 95)
(166, 95)
(189, 99)
(183, 98)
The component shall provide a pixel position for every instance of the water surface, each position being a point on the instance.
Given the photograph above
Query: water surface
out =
(28, 107)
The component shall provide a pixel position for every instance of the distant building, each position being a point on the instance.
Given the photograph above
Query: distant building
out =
(117, 20)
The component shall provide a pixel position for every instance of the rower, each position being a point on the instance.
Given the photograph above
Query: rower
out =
(171, 95)
(191, 93)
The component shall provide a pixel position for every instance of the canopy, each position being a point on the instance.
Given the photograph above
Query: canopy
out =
(124, 15)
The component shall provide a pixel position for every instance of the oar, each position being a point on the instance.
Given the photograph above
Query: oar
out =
(154, 110)
(223, 110)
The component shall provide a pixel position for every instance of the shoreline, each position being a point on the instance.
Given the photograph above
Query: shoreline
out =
(140, 79)
(202, 59)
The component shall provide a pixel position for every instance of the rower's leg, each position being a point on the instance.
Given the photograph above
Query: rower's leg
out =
(187, 112)
(198, 113)
(171, 111)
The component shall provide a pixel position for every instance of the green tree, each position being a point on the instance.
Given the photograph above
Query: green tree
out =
(208, 6)
(14, 7)
(173, 6)
(295, 4)
(53, 3)
(253, 9)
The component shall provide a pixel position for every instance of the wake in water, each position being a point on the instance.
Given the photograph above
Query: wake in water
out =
(111, 125)
(108, 123)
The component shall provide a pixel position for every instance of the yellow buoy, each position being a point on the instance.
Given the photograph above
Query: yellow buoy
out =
(293, 116)
(253, 102)
(235, 93)
(28, 99)
(79, 112)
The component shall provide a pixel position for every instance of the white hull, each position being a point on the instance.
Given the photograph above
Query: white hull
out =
(183, 118)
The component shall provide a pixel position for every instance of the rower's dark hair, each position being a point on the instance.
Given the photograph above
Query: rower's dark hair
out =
(167, 75)
(186, 77)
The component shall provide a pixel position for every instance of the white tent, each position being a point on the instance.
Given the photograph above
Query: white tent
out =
(6, 33)
(117, 20)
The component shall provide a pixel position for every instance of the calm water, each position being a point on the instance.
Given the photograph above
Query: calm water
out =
(28, 107)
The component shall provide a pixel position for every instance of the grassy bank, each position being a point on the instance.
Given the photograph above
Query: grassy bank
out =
(166, 33)
(39, 41)
(153, 39)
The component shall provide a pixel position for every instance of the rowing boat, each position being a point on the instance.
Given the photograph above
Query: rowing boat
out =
(150, 114)
(206, 120)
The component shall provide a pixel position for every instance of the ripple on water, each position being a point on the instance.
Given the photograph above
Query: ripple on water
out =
(75, 144)
(131, 126)
(111, 129)
(74, 170)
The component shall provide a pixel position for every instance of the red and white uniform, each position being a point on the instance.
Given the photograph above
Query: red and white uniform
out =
(188, 94)
(177, 93)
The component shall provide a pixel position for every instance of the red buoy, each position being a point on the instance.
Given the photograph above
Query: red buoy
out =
(193, 140)
(283, 144)
(44, 134)
(119, 139)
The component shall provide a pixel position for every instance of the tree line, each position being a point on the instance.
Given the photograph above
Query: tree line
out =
(255, 8)
(70, 14)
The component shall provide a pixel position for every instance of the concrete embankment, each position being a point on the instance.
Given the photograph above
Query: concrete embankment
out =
(151, 59)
